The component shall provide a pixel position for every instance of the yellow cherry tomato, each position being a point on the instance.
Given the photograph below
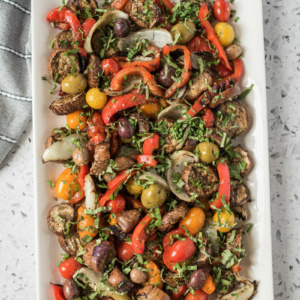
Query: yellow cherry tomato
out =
(132, 187)
(77, 118)
(66, 185)
(153, 275)
(225, 33)
(113, 218)
(96, 99)
(87, 224)
(224, 220)
(151, 109)
(193, 220)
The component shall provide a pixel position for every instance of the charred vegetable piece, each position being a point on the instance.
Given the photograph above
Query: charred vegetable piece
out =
(171, 218)
(59, 216)
(215, 135)
(93, 71)
(68, 104)
(101, 159)
(206, 250)
(143, 124)
(128, 220)
(199, 85)
(61, 63)
(150, 292)
(124, 163)
(80, 7)
(239, 193)
(236, 243)
(98, 257)
(81, 157)
(228, 95)
(119, 281)
(242, 160)
(71, 243)
(63, 40)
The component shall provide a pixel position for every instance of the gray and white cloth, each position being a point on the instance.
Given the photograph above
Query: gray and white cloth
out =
(15, 71)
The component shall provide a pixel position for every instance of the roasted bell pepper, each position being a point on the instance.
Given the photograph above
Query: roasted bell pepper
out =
(65, 15)
(118, 103)
(150, 65)
(110, 67)
(208, 117)
(211, 35)
(87, 26)
(118, 4)
(168, 5)
(236, 268)
(146, 160)
(187, 69)
(58, 292)
(198, 43)
(151, 144)
(62, 26)
(96, 130)
(83, 171)
(224, 189)
(117, 82)
(237, 71)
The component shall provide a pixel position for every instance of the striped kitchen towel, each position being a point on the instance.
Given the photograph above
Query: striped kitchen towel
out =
(15, 71)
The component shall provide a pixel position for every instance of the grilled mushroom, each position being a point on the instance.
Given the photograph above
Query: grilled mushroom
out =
(151, 292)
(97, 257)
(119, 281)
(144, 13)
(81, 157)
(63, 40)
(200, 179)
(101, 159)
(236, 243)
(239, 193)
(68, 104)
(59, 216)
(61, 63)
(124, 163)
(80, 7)
(71, 243)
(205, 252)
(217, 136)
(242, 160)
(199, 85)
(93, 71)
(229, 94)
(171, 218)
(233, 118)
(143, 124)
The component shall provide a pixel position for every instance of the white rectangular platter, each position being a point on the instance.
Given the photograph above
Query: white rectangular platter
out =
(249, 30)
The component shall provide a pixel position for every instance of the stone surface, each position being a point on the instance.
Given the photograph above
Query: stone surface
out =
(282, 50)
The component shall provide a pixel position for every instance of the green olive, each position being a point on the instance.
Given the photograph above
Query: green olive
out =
(208, 152)
(155, 195)
(186, 32)
(74, 84)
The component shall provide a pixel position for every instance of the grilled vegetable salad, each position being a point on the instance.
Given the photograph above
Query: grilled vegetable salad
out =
(152, 194)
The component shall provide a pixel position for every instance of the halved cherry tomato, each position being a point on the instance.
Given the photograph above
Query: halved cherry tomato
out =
(223, 71)
(110, 67)
(193, 220)
(69, 267)
(181, 290)
(198, 295)
(182, 250)
(66, 185)
(209, 285)
(117, 205)
(77, 118)
(222, 10)
(58, 292)
(124, 251)
(87, 225)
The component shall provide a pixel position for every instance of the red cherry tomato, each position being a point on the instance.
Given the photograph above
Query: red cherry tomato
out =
(117, 205)
(222, 10)
(124, 251)
(164, 23)
(223, 71)
(181, 290)
(58, 292)
(181, 251)
(198, 295)
(110, 67)
(69, 267)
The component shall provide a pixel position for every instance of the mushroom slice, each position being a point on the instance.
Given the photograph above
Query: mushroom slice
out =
(143, 124)
(90, 192)
(119, 281)
(178, 95)
(154, 178)
(71, 243)
(199, 85)
(240, 212)
(144, 13)
(59, 216)
(61, 63)
(64, 39)
(173, 112)
(95, 282)
(239, 193)
(156, 37)
(101, 23)
(179, 159)
(93, 71)
(68, 104)
(204, 254)
(151, 292)
(61, 150)
(242, 159)
(131, 83)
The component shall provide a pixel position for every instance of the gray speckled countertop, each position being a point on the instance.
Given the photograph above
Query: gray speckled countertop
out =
(282, 52)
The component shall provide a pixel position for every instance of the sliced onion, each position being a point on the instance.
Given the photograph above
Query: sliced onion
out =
(180, 93)
(130, 85)
(243, 293)
(156, 37)
(90, 192)
(61, 150)
(156, 178)
(173, 112)
(101, 23)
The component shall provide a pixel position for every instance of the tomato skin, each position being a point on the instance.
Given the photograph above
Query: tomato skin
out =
(69, 267)
(110, 67)
(181, 251)
(66, 185)
(222, 10)
(58, 292)
(77, 118)
(181, 290)
(86, 222)
(117, 205)
(223, 71)
(124, 251)
(199, 295)
(96, 125)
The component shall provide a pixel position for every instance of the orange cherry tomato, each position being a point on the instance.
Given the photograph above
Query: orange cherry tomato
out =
(124, 251)
(117, 205)
(222, 10)
(193, 220)
(209, 285)
(77, 118)
(69, 267)
(154, 274)
(87, 225)
(151, 109)
(113, 218)
(198, 295)
(66, 185)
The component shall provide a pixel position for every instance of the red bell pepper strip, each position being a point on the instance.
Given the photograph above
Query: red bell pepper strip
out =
(58, 292)
(236, 268)
(139, 236)
(82, 52)
(237, 71)
(113, 186)
(150, 65)
(168, 5)
(211, 35)
(117, 82)
(146, 160)
(187, 69)
(198, 43)
(62, 26)
(224, 189)
(87, 25)
(118, 103)
(118, 4)
(208, 117)
(67, 16)
(151, 144)
(96, 130)
(83, 171)
(110, 67)
(95, 140)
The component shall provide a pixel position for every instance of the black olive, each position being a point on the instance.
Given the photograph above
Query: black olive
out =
(71, 290)
(165, 76)
(125, 129)
(83, 63)
(197, 279)
(122, 27)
